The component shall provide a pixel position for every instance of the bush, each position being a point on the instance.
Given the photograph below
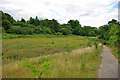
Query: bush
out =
(96, 45)
(46, 30)
(35, 70)
(38, 30)
(22, 24)
(59, 33)
(18, 23)
(78, 30)
(3, 30)
(45, 68)
(26, 30)
(89, 44)
(65, 31)
(20, 30)
(113, 41)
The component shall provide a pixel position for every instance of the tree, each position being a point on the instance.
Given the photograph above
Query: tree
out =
(4, 17)
(78, 30)
(9, 18)
(20, 30)
(113, 35)
(36, 22)
(103, 32)
(31, 21)
(86, 30)
(23, 20)
(95, 30)
(109, 33)
(38, 30)
(73, 23)
(6, 24)
(19, 23)
(65, 31)
(53, 24)
(113, 22)
(46, 30)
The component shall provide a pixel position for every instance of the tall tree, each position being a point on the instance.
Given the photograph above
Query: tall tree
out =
(36, 21)
(31, 21)
(73, 23)
(6, 24)
(23, 20)
(10, 18)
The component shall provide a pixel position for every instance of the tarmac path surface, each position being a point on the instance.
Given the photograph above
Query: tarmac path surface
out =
(109, 65)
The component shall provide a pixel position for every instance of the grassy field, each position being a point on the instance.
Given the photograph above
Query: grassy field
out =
(19, 48)
(51, 57)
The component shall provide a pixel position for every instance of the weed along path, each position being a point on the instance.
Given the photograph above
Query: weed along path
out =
(109, 65)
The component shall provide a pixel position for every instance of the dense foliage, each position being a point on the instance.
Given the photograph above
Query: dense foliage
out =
(108, 33)
(36, 26)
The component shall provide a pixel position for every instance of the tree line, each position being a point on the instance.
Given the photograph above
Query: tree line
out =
(109, 32)
(36, 26)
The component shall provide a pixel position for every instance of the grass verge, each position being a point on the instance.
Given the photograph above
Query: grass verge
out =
(116, 52)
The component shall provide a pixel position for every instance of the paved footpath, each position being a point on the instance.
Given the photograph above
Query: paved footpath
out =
(109, 65)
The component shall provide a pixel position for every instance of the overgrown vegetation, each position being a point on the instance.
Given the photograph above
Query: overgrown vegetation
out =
(110, 35)
(39, 45)
(33, 68)
(83, 63)
(39, 73)
(51, 47)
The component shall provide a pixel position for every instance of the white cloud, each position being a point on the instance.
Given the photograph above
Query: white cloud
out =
(88, 12)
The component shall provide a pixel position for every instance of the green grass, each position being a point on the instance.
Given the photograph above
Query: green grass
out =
(13, 36)
(65, 56)
(20, 48)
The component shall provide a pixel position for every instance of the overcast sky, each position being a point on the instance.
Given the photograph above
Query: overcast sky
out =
(89, 12)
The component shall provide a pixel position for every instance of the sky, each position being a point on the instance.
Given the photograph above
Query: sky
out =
(94, 13)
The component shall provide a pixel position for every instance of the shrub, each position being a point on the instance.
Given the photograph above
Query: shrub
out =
(113, 41)
(89, 44)
(20, 30)
(3, 30)
(38, 30)
(18, 23)
(46, 30)
(65, 31)
(35, 70)
(59, 33)
(96, 45)
(45, 68)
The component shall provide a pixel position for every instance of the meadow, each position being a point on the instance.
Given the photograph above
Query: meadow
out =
(19, 48)
(51, 56)
(45, 48)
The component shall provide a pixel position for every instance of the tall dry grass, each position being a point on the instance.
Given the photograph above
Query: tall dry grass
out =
(81, 63)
